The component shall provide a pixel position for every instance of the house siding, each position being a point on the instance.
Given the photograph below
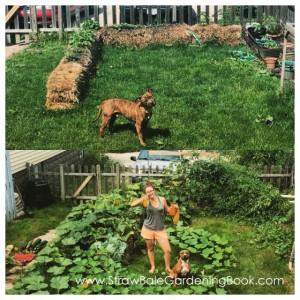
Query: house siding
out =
(49, 160)
(19, 158)
(10, 203)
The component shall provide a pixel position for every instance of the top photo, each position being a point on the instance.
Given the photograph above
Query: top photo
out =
(130, 78)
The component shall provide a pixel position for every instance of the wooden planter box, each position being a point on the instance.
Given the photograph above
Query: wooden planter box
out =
(258, 49)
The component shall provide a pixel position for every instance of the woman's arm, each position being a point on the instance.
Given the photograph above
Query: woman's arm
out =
(166, 206)
(139, 201)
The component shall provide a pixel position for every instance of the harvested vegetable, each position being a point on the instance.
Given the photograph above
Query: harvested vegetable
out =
(176, 217)
(172, 210)
(24, 258)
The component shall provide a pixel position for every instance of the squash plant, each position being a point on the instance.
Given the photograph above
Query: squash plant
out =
(217, 255)
(89, 253)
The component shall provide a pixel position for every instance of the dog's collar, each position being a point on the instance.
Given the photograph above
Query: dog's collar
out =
(144, 106)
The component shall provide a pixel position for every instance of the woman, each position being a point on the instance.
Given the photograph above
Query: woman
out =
(153, 226)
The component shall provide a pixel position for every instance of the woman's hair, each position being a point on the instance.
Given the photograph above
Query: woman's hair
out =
(148, 184)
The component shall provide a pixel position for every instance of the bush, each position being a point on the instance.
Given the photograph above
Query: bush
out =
(227, 189)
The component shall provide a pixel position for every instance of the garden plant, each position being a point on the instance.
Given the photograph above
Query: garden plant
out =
(99, 249)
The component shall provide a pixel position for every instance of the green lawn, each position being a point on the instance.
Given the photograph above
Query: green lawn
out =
(205, 100)
(38, 223)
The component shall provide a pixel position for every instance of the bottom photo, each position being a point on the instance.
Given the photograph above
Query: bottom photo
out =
(186, 222)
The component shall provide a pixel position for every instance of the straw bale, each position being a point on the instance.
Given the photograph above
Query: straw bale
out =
(170, 34)
(68, 81)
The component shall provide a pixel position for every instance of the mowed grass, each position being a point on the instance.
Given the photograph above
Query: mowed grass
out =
(39, 223)
(205, 100)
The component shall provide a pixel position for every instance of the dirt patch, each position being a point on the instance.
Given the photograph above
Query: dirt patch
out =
(171, 34)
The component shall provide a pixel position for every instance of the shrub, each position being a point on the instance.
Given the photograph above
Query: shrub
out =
(227, 189)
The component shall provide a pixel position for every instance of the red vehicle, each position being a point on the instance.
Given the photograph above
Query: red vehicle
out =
(47, 13)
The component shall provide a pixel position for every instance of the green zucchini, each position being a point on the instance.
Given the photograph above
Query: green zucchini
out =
(41, 246)
(36, 243)
(28, 245)
(23, 246)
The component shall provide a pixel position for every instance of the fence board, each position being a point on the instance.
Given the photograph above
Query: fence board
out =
(82, 186)
(116, 14)
(66, 182)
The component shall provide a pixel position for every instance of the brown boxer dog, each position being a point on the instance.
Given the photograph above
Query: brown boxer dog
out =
(182, 267)
(139, 111)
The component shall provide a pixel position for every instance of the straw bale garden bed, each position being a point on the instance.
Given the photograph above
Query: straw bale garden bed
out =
(208, 96)
(235, 226)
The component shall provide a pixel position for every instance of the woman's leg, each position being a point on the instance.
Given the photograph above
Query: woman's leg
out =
(165, 245)
(150, 249)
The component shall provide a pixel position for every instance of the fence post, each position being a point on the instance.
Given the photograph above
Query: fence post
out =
(118, 176)
(292, 176)
(33, 21)
(279, 171)
(62, 182)
(60, 23)
(98, 179)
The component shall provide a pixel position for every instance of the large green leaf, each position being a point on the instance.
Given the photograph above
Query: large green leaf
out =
(68, 241)
(43, 259)
(56, 270)
(218, 256)
(60, 282)
(37, 283)
(206, 252)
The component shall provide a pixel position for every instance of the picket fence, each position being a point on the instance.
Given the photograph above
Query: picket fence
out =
(79, 183)
(68, 18)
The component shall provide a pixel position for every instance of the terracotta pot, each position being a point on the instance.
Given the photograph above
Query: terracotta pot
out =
(270, 62)
(288, 44)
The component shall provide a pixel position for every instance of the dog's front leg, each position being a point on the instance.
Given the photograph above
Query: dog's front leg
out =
(138, 127)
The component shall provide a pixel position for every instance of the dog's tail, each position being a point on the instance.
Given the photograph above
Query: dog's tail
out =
(99, 112)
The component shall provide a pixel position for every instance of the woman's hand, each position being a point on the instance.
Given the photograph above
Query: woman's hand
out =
(139, 201)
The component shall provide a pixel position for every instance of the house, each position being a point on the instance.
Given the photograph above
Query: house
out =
(17, 175)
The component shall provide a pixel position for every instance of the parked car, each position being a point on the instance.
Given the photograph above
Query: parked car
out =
(48, 12)
(156, 160)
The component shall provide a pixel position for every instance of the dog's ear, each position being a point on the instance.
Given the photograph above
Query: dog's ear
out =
(150, 91)
(138, 99)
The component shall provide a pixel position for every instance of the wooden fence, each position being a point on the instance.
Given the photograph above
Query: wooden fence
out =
(281, 177)
(80, 183)
(23, 20)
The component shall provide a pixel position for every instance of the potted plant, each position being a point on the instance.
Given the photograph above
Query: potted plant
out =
(270, 62)
(273, 26)
(257, 30)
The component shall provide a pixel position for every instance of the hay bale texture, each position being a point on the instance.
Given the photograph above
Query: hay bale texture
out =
(68, 82)
(170, 34)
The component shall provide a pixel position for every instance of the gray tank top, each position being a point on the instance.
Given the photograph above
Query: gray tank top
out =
(155, 216)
